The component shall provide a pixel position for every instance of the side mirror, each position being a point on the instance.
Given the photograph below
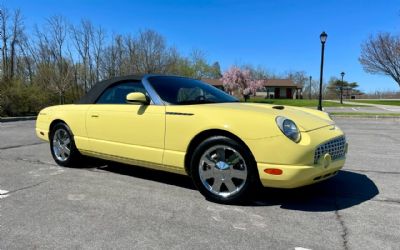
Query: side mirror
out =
(137, 98)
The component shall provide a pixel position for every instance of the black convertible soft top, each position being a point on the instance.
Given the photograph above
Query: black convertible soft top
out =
(93, 94)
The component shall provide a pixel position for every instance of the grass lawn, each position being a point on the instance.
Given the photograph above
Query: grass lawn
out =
(380, 102)
(364, 114)
(298, 102)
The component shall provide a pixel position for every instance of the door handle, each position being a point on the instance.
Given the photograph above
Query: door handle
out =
(95, 116)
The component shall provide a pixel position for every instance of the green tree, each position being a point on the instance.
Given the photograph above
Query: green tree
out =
(56, 62)
(337, 88)
(215, 70)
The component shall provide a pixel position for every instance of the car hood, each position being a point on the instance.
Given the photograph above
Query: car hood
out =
(305, 118)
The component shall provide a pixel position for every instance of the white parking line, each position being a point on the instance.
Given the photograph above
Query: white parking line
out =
(354, 109)
(3, 194)
(393, 110)
(301, 248)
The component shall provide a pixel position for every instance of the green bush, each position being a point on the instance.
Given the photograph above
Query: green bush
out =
(1, 103)
(19, 99)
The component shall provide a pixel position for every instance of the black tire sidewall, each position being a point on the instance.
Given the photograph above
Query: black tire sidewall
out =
(244, 194)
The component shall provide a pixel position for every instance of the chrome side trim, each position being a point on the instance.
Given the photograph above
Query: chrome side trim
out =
(178, 113)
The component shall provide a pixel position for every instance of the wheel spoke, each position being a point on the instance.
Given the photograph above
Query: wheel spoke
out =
(59, 137)
(63, 154)
(217, 185)
(56, 150)
(238, 174)
(67, 141)
(207, 174)
(230, 185)
(66, 150)
(58, 145)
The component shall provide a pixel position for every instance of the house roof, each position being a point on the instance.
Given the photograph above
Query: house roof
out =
(214, 82)
(279, 83)
(267, 82)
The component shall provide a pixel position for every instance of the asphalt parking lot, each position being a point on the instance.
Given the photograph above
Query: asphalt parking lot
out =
(43, 206)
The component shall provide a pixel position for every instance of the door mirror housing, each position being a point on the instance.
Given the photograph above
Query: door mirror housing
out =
(137, 98)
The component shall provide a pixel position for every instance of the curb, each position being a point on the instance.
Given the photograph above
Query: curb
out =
(15, 119)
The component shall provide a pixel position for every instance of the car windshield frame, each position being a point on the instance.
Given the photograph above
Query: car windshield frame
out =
(171, 88)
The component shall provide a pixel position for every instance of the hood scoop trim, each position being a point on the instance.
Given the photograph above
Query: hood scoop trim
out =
(278, 107)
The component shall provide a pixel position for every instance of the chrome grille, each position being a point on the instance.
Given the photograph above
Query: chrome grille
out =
(335, 147)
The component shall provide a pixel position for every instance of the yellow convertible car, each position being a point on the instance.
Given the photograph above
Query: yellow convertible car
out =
(185, 126)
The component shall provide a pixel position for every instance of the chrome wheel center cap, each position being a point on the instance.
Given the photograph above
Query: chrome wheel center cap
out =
(221, 165)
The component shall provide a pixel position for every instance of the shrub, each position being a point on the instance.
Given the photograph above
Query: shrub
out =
(21, 99)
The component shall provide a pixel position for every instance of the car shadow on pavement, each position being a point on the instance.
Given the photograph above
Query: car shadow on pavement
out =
(344, 190)
(150, 174)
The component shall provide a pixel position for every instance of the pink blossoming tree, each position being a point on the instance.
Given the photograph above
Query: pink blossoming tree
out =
(235, 79)
(254, 85)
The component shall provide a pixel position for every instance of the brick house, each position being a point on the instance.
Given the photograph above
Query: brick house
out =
(273, 88)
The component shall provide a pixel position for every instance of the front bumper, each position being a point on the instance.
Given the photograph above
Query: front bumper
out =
(299, 163)
(42, 134)
(296, 176)
(42, 126)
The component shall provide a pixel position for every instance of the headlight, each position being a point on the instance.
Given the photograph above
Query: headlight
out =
(288, 128)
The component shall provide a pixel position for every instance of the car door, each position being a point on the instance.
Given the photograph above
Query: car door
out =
(128, 131)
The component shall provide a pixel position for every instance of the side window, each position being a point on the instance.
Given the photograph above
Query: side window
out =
(116, 94)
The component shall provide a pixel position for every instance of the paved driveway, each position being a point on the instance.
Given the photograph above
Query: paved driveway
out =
(43, 206)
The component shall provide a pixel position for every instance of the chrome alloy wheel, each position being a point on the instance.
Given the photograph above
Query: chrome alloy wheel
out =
(222, 171)
(61, 144)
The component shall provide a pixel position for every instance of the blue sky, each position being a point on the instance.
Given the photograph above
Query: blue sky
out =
(279, 35)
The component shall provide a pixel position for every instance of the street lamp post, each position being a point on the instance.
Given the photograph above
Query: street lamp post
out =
(341, 88)
(322, 37)
(309, 94)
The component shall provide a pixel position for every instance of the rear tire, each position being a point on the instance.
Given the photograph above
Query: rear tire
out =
(223, 170)
(62, 146)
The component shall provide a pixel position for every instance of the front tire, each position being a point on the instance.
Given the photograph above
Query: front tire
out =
(223, 170)
(62, 146)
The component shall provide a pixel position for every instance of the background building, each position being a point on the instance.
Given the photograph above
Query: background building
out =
(273, 88)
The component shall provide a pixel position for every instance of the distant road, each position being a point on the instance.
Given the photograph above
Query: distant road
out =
(364, 108)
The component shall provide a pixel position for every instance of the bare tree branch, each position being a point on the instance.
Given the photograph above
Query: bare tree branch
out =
(381, 55)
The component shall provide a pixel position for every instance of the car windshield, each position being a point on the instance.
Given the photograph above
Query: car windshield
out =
(183, 91)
